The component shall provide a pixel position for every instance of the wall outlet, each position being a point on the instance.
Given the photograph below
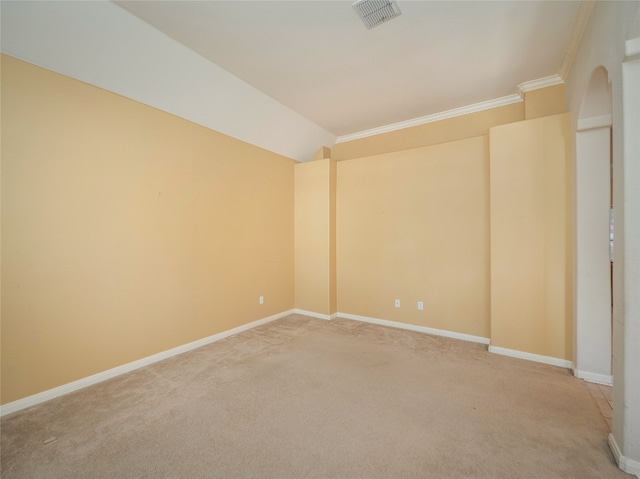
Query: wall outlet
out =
(420, 306)
(261, 300)
(397, 303)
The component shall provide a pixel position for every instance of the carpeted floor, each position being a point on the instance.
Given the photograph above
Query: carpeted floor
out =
(307, 398)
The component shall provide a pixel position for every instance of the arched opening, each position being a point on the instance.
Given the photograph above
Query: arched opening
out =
(594, 233)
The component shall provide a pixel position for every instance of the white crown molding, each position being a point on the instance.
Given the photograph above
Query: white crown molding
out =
(627, 465)
(415, 327)
(538, 358)
(313, 314)
(604, 379)
(602, 121)
(132, 366)
(632, 47)
(545, 82)
(465, 110)
(582, 20)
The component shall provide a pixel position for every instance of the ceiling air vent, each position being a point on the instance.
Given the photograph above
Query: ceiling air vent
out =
(375, 12)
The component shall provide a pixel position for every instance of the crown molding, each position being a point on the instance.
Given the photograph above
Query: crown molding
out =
(528, 86)
(465, 110)
(584, 14)
(545, 82)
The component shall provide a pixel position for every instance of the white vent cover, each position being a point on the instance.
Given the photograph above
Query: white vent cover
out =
(375, 12)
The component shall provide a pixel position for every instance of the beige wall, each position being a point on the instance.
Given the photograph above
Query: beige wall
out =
(537, 103)
(452, 129)
(333, 260)
(544, 102)
(127, 231)
(322, 153)
(414, 225)
(315, 236)
(531, 287)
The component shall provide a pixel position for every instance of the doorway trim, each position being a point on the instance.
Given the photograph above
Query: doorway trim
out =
(593, 297)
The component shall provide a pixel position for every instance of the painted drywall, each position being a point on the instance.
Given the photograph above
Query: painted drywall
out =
(593, 277)
(535, 103)
(449, 181)
(631, 352)
(144, 64)
(603, 45)
(127, 231)
(333, 259)
(315, 236)
(443, 131)
(414, 225)
(544, 102)
(530, 222)
(322, 153)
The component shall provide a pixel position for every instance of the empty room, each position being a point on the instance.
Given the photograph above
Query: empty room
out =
(320, 239)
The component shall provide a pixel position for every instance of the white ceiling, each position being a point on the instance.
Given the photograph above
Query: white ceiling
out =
(317, 58)
(291, 76)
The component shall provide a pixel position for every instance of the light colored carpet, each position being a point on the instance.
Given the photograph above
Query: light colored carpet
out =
(307, 398)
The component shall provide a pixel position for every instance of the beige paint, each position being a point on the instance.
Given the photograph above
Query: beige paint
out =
(333, 260)
(414, 225)
(530, 224)
(452, 129)
(544, 102)
(537, 103)
(322, 153)
(127, 231)
(1, 194)
(315, 236)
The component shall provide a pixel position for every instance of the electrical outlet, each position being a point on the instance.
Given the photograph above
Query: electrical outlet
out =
(261, 300)
(397, 303)
(420, 306)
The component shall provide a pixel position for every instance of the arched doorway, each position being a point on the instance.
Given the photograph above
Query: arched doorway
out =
(594, 219)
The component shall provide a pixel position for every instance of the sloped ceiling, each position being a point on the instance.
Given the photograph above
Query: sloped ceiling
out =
(291, 76)
(320, 60)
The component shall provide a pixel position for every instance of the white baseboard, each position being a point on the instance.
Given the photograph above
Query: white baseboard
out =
(132, 366)
(604, 379)
(627, 465)
(538, 358)
(415, 327)
(314, 315)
